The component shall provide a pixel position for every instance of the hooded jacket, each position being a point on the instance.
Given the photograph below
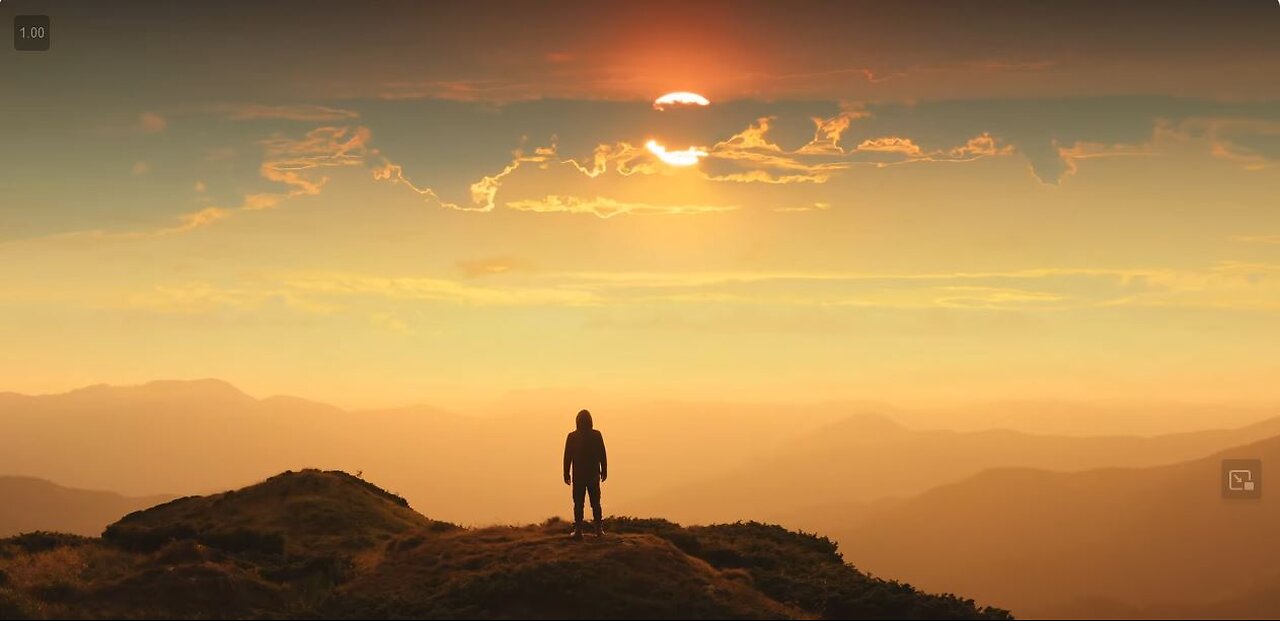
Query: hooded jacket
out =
(584, 451)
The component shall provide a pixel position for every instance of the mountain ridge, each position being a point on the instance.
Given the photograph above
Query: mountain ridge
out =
(1157, 540)
(33, 503)
(868, 457)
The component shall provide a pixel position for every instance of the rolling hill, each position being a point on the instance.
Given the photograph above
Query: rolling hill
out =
(28, 503)
(1118, 542)
(867, 457)
(327, 544)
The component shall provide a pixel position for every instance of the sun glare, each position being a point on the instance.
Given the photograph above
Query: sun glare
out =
(680, 99)
(686, 157)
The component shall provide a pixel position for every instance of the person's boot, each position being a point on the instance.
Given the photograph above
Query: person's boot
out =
(577, 531)
(599, 528)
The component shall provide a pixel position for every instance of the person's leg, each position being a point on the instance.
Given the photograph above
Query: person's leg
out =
(579, 494)
(593, 488)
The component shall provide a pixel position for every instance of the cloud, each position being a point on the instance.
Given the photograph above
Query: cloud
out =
(995, 298)
(889, 144)
(827, 133)
(1246, 157)
(261, 200)
(1237, 286)
(748, 156)
(185, 223)
(1226, 285)
(320, 147)
(1055, 135)
(1257, 239)
(200, 187)
(484, 191)
(203, 298)
(621, 158)
(1226, 138)
(983, 145)
(1252, 143)
(296, 112)
(325, 285)
(293, 162)
(394, 173)
(702, 279)
(491, 266)
(151, 123)
(195, 220)
(818, 206)
(751, 157)
(870, 135)
(327, 293)
(1072, 155)
(607, 207)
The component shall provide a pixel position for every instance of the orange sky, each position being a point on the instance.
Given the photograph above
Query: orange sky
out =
(917, 203)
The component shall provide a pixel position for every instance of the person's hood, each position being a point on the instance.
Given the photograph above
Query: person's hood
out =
(584, 420)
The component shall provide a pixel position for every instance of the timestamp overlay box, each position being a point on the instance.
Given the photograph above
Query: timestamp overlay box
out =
(31, 33)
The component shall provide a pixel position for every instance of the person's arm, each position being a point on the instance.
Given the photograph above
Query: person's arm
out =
(604, 460)
(568, 458)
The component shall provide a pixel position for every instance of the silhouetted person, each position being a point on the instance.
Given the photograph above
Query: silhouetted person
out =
(585, 466)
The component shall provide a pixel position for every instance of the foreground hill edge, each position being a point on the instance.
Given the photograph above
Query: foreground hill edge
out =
(328, 544)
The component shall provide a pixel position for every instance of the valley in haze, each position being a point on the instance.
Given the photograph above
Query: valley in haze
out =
(1040, 524)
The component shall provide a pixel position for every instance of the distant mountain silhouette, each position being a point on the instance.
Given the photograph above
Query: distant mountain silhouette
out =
(330, 545)
(199, 436)
(1129, 543)
(1086, 418)
(868, 457)
(28, 503)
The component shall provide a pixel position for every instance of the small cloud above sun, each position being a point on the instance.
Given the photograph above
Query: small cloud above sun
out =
(680, 99)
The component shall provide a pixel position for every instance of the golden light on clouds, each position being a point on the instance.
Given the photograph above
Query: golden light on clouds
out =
(680, 99)
(684, 157)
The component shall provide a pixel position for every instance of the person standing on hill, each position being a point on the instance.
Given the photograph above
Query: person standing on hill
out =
(585, 467)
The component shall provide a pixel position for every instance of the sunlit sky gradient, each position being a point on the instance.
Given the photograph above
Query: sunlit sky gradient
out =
(377, 203)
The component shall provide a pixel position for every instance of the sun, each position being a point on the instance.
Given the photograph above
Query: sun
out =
(680, 99)
(685, 157)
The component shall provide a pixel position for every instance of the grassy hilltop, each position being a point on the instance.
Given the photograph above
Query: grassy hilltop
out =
(328, 544)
